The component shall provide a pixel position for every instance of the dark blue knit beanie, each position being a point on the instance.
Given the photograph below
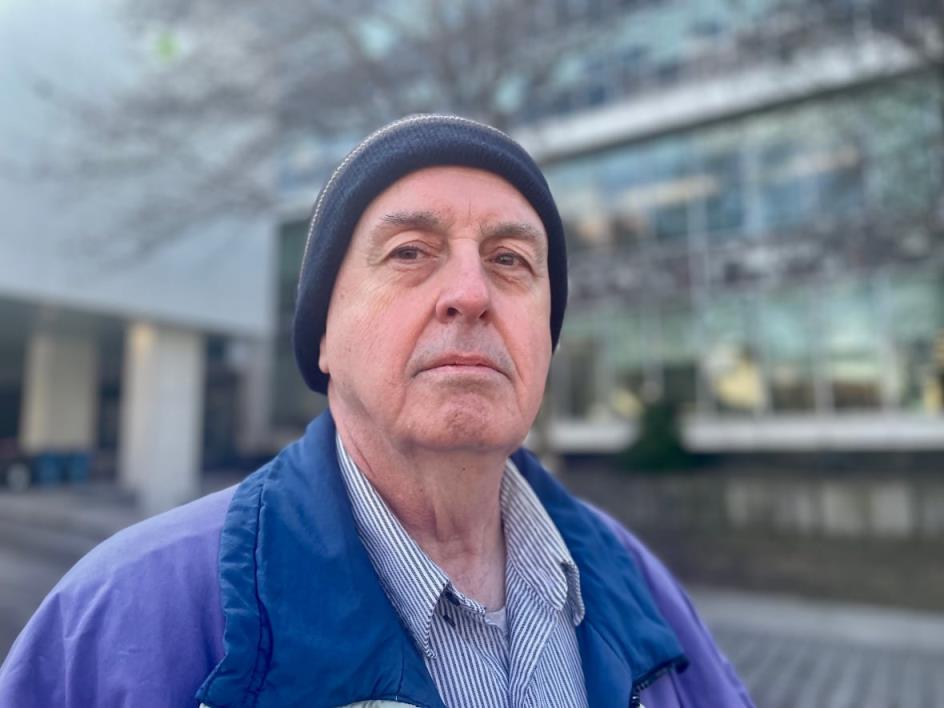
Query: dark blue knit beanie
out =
(392, 152)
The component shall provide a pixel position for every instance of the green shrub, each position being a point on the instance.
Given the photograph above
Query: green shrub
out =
(658, 446)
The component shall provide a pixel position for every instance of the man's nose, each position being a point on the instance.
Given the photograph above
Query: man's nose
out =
(466, 291)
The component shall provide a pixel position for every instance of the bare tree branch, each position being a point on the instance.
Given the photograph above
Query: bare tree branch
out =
(315, 70)
(241, 84)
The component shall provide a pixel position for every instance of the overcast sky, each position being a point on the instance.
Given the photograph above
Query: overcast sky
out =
(76, 45)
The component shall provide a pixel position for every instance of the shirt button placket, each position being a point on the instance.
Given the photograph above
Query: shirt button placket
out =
(531, 696)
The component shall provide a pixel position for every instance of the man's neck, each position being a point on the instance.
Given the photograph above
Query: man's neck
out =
(448, 501)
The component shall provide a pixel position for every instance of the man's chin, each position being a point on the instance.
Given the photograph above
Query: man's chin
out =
(471, 427)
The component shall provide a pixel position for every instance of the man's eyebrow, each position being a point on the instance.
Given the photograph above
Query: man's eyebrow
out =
(517, 230)
(422, 220)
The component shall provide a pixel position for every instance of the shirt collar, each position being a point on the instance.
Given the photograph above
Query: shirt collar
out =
(415, 584)
(535, 548)
(412, 581)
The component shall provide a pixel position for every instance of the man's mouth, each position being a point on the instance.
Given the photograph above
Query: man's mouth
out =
(471, 362)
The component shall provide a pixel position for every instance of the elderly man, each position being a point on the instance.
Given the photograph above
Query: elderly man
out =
(406, 549)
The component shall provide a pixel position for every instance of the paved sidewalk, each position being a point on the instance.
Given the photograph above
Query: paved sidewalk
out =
(790, 652)
(797, 652)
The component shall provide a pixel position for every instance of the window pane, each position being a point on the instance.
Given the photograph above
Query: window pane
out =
(679, 357)
(580, 393)
(730, 364)
(852, 347)
(632, 354)
(724, 207)
(785, 328)
(580, 366)
(293, 405)
(903, 143)
(917, 327)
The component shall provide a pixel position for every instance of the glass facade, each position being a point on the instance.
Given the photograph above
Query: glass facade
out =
(776, 264)
(293, 405)
(760, 176)
(582, 54)
(649, 45)
(854, 346)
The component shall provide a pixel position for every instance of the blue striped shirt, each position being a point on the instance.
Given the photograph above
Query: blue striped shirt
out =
(525, 655)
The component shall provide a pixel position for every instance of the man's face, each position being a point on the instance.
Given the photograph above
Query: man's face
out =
(438, 329)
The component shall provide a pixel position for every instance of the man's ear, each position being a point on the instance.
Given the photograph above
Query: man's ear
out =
(323, 357)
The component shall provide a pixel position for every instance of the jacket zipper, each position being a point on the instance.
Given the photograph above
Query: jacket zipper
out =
(635, 696)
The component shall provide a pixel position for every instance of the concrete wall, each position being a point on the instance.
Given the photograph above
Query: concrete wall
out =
(880, 508)
(840, 506)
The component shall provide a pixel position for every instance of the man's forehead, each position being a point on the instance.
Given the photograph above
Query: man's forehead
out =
(440, 221)
(435, 197)
(446, 181)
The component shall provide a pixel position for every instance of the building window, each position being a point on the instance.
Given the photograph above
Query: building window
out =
(724, 202)
(916, 320)
(293, 405)
(632, 352)
(729, 360)
(852, 342)
(787, 341)
(574, 378)
(903, 143)
(678, 355)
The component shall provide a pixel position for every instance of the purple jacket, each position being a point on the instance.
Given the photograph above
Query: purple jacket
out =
(263, 595)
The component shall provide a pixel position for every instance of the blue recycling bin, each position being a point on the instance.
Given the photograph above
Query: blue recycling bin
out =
(49, 468)
(77, 465)
(60, 467)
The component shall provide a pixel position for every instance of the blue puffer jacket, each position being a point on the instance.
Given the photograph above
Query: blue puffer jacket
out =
(293, 614)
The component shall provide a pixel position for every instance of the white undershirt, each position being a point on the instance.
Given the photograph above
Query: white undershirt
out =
(498, 619)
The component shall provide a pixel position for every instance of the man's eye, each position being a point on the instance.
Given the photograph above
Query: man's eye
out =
(508, 259)
(406, 253)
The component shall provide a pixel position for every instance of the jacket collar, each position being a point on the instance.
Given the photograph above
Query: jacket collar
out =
(308, 623)
(624, 641)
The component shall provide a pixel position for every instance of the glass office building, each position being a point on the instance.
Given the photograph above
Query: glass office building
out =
(778, 263)
(752, 198)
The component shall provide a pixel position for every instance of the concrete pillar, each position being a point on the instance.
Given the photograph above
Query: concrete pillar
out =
(161, 414)
(60, 393)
